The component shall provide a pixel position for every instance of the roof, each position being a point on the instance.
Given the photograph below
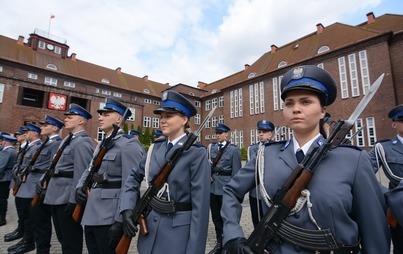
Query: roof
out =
(335, 36)
(10, 50)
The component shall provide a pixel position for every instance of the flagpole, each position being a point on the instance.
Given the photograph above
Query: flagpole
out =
(50, 20)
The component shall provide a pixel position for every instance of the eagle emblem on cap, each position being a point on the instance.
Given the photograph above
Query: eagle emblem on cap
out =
(165, 96)
(297, 73)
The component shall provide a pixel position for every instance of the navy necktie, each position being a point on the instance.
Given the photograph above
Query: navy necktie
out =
(169, 146)
(300, 155)
(219, 147)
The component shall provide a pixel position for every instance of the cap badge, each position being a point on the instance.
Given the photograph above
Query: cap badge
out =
(165, 96)
(297, 73)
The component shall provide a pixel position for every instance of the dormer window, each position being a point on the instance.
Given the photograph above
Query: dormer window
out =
(323, 49)
(213, 91)
(146, 91)
(41, 45)
(105, 80)
(282, 64)
(252, 75)
(191, 94)
(51, 66)
(58, 50)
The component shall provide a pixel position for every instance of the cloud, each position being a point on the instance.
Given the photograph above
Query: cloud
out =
(176, 41)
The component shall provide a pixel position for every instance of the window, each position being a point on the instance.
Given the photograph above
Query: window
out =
(116, 94)
(371, 130)
(279, 92)
(275, 94)
(208, 123)
(261, 87)
(197, 119)
(106, 92)
(146, 91)
(156, 103)
(148, 101)
(51, 66)
(221, 119)
(256, 97)
(256, 86)
(80, 101)
(1, 92)
(147, 121)
(207, 106)
(236, 103)
(133, 116)
(41, 45)
(214, 102)
(252, 75)
(214, 122)
(213, 91)
(197, 104)
(191, 94)
(231, 96)
(353, 75)
(251, 103)
(156, 122)
(100, 134)
(105, 80)
(58, 50)
(349, 135)
(214, 136)
(96, 90)
(321, 66)
(323, 49)
(32, 98)
(240, 107)
(240, 144)
(50, 81)
(221, 101)
(364, 71)
(69, 84)
(1, 68)
(207, 137)
(343, 77)
(282, 64)
(360, 136)
(252, 136)
(32, 76)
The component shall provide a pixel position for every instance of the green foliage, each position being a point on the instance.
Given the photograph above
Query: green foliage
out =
(244, 154)
(146, 137)
(125, 128)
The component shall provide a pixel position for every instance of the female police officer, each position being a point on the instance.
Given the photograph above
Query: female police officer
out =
(183, 230)
(342, 196)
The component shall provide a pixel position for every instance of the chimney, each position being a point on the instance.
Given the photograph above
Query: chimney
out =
(73, 57)
(119, 70)
(273, 49)
(201, 85)
(247, 66)
(145, 78)
(319, 28)
(370, 17)
(20, 40)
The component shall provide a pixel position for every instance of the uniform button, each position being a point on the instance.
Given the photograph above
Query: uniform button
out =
(155, 219)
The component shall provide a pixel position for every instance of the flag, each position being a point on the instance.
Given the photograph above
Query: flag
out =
(52, 16)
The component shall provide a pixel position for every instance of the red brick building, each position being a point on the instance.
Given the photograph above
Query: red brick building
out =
(40, 77)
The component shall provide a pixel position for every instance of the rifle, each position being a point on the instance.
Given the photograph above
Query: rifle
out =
(142, 208)
(24, 173)
(19, 159)
(285, 199)
(218, 157)
(106, 144)
(38, 199)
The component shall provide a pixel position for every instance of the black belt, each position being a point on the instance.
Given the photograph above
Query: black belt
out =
(169, 207)
(37, 170)
(108, 185)
(64, 174)
(223, 173)
(353, 249)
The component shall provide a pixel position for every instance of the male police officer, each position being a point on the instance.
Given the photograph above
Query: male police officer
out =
(225, 159)
(265, 129)
(19, 231)
(60, 193)
(389, 155)
(41, 215)
(7, 160)
(102, 204)
(27, 191)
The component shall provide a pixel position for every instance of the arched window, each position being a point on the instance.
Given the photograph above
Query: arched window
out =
(282, 64)
(146, 91)
(105, 80)
(252, 75)
(323, 49)
(51, 66)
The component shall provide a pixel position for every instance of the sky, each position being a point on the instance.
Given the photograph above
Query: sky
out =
(180, 41)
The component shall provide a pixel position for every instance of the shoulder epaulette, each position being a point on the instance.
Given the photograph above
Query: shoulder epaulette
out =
(281, 142)
(160, 140)
(198, 144)
(127, 136)
(383, 140)
(213, 143)
(351, 146)
(233, 145)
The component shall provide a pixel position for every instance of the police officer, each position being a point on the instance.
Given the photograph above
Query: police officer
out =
(389, 154)
(60, 194)
(135, 134)
(158, 135)
(265, 129)
(27, 191)
(41, 215)
(19, 231)
(343, 195)
(225, 159)
(102, 204)
(7, 159)
(179, 228)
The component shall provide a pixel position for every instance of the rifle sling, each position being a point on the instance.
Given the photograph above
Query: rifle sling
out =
(219, 154)
(169, 207)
